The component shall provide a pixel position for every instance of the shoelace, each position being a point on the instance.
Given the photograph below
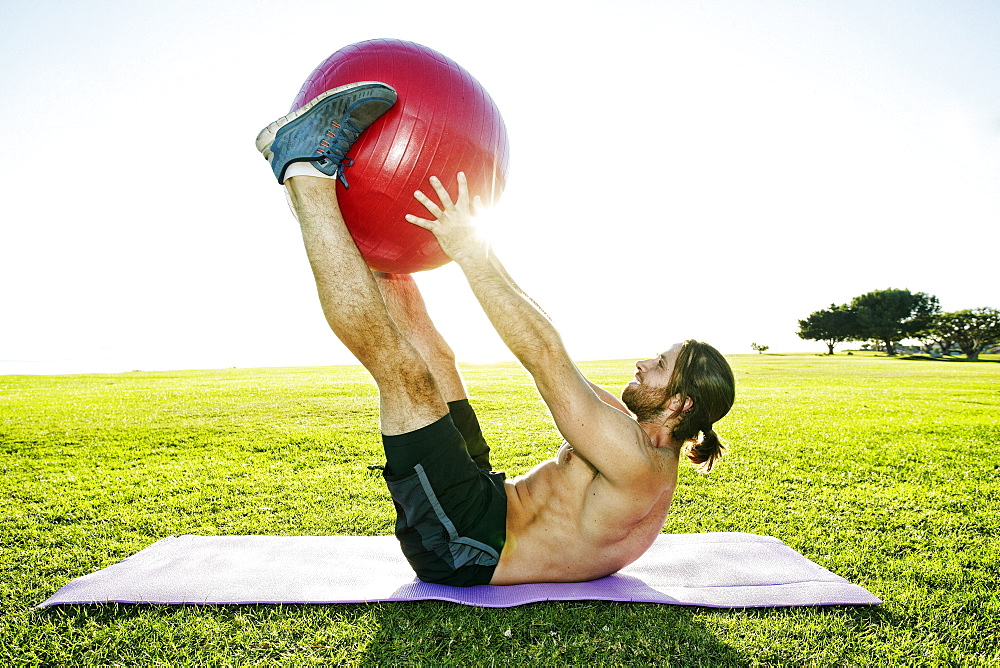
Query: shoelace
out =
(341, 138)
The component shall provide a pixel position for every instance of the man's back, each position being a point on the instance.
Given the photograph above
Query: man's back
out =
(566, 522)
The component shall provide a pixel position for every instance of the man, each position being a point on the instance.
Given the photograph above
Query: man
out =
(595, 507)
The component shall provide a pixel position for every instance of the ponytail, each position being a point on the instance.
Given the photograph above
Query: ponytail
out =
(706, 450)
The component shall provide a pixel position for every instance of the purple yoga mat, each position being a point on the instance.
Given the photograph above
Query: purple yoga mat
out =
(717, 570)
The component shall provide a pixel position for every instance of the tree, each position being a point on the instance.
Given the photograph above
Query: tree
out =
(936, 333)
(889, 316)
(834, 325)
(972, 330)
(932, 336)
(760, 348)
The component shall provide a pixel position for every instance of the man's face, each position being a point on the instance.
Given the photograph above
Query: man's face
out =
(646, 396)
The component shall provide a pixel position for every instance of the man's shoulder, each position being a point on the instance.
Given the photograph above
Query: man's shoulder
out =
(618, 448)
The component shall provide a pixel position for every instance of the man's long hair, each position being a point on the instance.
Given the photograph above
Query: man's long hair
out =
(702, 374)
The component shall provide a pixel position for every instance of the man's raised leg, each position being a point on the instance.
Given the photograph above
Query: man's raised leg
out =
(450, 517)
(356, 311)
(320, 134)
(407, 309)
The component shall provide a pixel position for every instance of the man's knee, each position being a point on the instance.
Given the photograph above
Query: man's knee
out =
(411, 379)
(409, 403)
(404, 378)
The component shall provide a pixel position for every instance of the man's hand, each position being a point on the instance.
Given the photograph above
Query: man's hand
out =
(454, 222)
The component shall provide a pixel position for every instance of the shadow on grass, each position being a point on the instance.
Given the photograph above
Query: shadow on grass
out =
(434, 632)
(925, 358)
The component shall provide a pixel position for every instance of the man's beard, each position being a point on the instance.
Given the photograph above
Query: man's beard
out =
(646, 403)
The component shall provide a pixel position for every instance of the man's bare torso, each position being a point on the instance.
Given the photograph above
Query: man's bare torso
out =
(566, 523)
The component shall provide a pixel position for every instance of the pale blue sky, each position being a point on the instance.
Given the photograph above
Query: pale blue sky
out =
(714, 170)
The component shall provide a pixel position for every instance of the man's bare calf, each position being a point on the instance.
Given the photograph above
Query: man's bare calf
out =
(356, 311)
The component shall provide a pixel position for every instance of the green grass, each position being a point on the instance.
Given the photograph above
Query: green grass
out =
(883, 470)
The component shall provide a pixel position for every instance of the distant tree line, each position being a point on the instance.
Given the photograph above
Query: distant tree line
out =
(887, 317)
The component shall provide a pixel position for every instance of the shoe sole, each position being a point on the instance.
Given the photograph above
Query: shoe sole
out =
(266, 136)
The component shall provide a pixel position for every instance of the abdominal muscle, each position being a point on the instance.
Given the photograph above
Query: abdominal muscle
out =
(553, 532)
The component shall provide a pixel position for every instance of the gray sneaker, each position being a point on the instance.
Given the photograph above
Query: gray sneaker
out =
(323, 130)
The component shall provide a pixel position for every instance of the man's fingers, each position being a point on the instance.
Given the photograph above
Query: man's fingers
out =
(463, 189)
(442, 193)
(420, 222)
(428, 203)
(462, 204)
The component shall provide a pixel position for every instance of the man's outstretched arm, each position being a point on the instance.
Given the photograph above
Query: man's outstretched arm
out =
(522, 325)
(598, 432)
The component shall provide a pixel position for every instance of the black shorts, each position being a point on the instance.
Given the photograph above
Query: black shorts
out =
(451, 516)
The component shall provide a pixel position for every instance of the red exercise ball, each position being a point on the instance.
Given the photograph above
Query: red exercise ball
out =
(443, 122)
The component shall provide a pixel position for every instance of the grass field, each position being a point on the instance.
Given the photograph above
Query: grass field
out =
(885, 471)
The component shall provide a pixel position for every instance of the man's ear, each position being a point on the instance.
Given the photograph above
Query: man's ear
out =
(679, 404)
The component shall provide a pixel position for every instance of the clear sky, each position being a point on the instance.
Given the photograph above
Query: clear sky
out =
(714, 169)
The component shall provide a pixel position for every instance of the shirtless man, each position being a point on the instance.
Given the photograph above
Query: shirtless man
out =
(592, 509)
